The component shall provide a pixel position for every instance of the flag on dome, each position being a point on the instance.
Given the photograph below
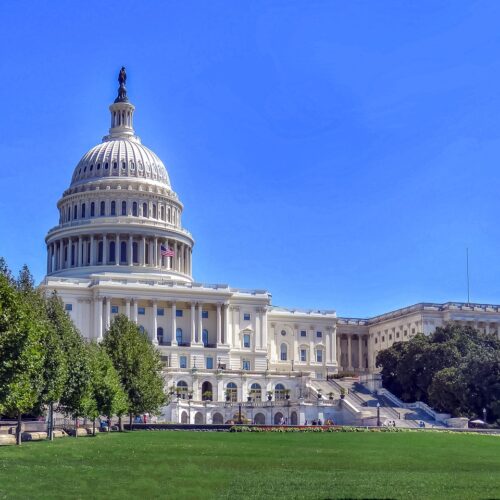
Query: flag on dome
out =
(166, 252)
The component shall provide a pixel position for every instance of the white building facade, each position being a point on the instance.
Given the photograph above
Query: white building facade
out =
(120, 247)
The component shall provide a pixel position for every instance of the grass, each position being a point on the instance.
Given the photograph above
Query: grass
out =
(246, 465)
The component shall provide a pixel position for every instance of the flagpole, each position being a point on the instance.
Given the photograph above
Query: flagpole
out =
(468, 283)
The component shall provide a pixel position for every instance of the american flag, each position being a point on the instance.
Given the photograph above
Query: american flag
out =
(166, 252)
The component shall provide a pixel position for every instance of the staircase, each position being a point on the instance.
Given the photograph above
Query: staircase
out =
(391, 409)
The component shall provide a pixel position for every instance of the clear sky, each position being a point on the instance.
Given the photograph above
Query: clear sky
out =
(340, 154)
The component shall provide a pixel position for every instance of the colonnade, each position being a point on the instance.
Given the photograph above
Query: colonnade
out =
(119, 250)
(355, 360)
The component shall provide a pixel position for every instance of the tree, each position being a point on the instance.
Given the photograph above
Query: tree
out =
(21, 352)
(108, 397)
(138, 364)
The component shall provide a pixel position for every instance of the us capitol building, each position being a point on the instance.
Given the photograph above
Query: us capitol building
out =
(120, 247)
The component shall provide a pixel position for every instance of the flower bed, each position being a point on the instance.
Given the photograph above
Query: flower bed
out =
(310, 428)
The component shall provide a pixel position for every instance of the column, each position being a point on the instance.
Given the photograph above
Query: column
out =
(154, 338)
(256, 344)
(200, 322)
(80, 252)
(219, 325)
(173, 324)
(339, 352)
(151, 259)
(92, 251)
(193, 322)
(136, 312)
(333, 341)
(108, 314)
(98, 319)
(156, 253)
(225, 324)
(127, 308)
(142, 254)
(349, 353)
(104, 250)
(117, 250)
(371, 360)
(360, 353)
(130, 251)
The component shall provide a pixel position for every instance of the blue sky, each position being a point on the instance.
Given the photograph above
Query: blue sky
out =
(339, 154)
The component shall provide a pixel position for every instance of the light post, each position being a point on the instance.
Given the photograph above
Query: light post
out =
(484, 415)
(239, 413)
(378, 414)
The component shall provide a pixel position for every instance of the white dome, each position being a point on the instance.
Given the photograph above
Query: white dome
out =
(121, 157)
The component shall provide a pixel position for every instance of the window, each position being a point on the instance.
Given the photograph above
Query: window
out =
(204, 314)
(123, 251)
(134, 209)
(246, 340)
(283, 332)
(283, 352)
(279, 392)
(144, 209)
(232, 392)
(92, 209)
(376, 340)
(209, 363)
(413, 331)
(113, 208)
(397, 335)
(319, 356)
(68, 307)
(303, 333)
(256, 392)
(246, 364)
(114, 309)
(178, 313)
(162, 213)
(303, 355)
(83, 210)
(405, 333)
(154, 212)
(141, 310)
(319, 335)
(100, 247)
(390, 336)
(383, 338)
(246, 317)
(160, 311)
(75, 212)
(182, 387)
(112, 251)
(178, 335)
(204, 337)
(124, 208)
(103, 208)
(135, 252)
(159, 335)
(182, 361)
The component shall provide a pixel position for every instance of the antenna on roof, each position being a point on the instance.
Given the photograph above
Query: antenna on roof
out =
(468, 283)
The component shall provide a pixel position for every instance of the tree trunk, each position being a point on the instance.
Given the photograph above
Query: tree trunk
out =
(120, 423)
(76, 427)
(19, 429)
(51, 422)
(93, 427)
(130, 422)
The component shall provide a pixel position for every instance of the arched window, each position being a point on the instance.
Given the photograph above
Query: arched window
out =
(182, 389)
(123, 251)
(154, 212)
(103, 208)
(256, 392)
(100, 248)
(92, 209)
(279, 392)
(112, 251)
(319, 355)
(113, 208)
(75, 212)
(232, 392)
(159, 335)
(135, 252)
(162, 212)
(204, 337)
(169, 216)
(178, 336)
(145, 210)
(283, 352)
(134, 209)
(83, 210)
(124, 208)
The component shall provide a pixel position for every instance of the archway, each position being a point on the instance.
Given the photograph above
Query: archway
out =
(198, 418)
(278, 418)
(217, 418)
(293, 418)
(206, 391)
(184, 417)
(259, 419)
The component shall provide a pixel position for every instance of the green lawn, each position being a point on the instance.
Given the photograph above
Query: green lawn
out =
(247, 465)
